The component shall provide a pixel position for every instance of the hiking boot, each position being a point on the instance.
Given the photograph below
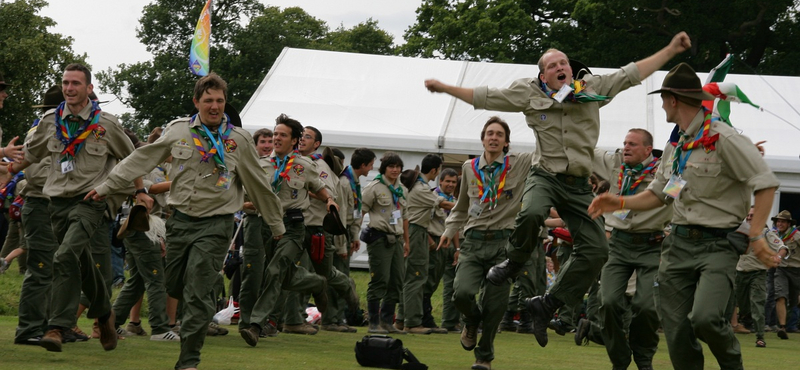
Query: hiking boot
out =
(418, 330)
(108, 334)
(215, 330)
(70, 336)
(399, 325)
(469, 337)
(782, 333)
(321, 297)
(437, 330)
(541, 309)
(373, 308)
(79, 334)
(503, 272)
(269, 330)
(250, 334)
(136, 329)
(387, 319)
(32, 341)
(304, 328)
(167, 336)
(558, 326)
(334, 328)
(582, 333)
(525, 323)
(391, 329)
(740, 329)
(508, 324)
(453, 329)
(482, 365)
(51, 340)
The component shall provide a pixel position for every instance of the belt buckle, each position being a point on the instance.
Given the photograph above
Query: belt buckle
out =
(695, 233)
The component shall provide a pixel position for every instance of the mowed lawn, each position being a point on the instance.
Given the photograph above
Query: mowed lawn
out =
(335, 350)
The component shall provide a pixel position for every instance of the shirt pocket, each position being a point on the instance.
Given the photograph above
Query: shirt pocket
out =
(95, 157)
(296, 183)
(54, 146)
(705, 179)
(181, 153)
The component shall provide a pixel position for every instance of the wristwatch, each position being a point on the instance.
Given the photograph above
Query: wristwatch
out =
(140, 191)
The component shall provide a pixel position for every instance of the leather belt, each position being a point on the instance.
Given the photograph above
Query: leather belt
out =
(487, 235)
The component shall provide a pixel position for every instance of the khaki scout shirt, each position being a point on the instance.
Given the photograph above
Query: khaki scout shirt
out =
(345, 202)
(193, 190)
(303, 177)
(100, 152)
(439, 215)
(422, 202)
(36, 173)
(566, 133)
(608, 166)
(157, 176)
(718, 183)
(352, 223)
(317, 210)
(749, 262)
(379, 204)
(503, 216)
(792, 244)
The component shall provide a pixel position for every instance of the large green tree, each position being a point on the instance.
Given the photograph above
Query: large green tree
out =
(607, 33)
(247, 38)
(31, 58)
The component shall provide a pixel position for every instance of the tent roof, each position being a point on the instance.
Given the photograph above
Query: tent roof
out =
(380, 102)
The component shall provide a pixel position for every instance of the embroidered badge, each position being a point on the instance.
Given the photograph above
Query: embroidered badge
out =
(230, 146)
(508, 194)
(323, 175)
(543, 117)
(182, 142)
(299, 169)
(294, 194)
(180, 168)
(99, 132)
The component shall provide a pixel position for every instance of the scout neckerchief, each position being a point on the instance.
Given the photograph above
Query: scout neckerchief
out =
(355, 187)
(789, 235)
(397, 193)
(217, 142)
(702, 139)
(579, 93)
(282, 167)
(73, 132)
(315, 156)
(491, 180)
(629, 183)
(164, 171)
(447, 197)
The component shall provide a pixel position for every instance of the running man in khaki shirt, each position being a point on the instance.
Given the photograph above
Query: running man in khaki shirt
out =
(564, 113)
(213, 162)
(707, 179)
(491, 188)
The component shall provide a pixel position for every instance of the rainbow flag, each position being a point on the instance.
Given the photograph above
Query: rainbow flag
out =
(198, 54)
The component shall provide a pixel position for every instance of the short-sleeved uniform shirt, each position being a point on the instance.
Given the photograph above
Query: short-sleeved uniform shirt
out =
(378, 202)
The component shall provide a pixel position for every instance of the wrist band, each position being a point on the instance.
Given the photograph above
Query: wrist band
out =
(786, 257)
(4, 152)
(621, 202)
(11, 169)
(757, 237)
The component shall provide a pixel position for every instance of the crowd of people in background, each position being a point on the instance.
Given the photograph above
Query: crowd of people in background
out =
(609, 246)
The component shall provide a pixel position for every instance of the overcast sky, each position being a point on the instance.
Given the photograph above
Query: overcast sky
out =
(109, 36)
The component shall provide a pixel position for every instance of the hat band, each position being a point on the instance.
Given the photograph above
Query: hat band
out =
(682, 90)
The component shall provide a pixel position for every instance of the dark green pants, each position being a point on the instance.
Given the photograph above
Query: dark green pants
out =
(257, 254)
(74, 222)
(628, 254)
(568, 313)
(195, 250)
(693, 286)
(751, 296)
(571, 197)
(343, 265)
(450, 315)
(416, 275)
(15, 238)
(385, 270)
(531, 281)
(474, 261)
(282, 273)
(34, 297)
(338, 283)
(100, 244)
(146, 269)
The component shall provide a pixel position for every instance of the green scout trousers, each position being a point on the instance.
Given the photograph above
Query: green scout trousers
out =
(478, 254)
(450, 315)
(74, 222)
(256, 256)
(629, 253)
(751, 296)
(146, 275)
(282, 273)
(385, 270)
(100, 246)
(531, 281)
(416, 275)
(571, 197)
(34, 297)
(196, 247)
(693, 286)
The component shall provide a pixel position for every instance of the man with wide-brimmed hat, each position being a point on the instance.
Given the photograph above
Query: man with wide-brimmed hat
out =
(707, 177)
(787, 275)
(563, 110)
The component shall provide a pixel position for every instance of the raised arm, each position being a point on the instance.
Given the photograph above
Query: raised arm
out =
(679, 44)
(463, 93)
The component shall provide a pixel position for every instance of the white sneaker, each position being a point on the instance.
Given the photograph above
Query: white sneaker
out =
(3, 265)
(124, 333)
(166, 337)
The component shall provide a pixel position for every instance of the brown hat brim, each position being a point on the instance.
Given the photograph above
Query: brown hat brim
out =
(791, 220)
(332, 223)
(689, 93)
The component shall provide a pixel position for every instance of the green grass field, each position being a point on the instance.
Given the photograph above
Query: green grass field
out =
(335, 350)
